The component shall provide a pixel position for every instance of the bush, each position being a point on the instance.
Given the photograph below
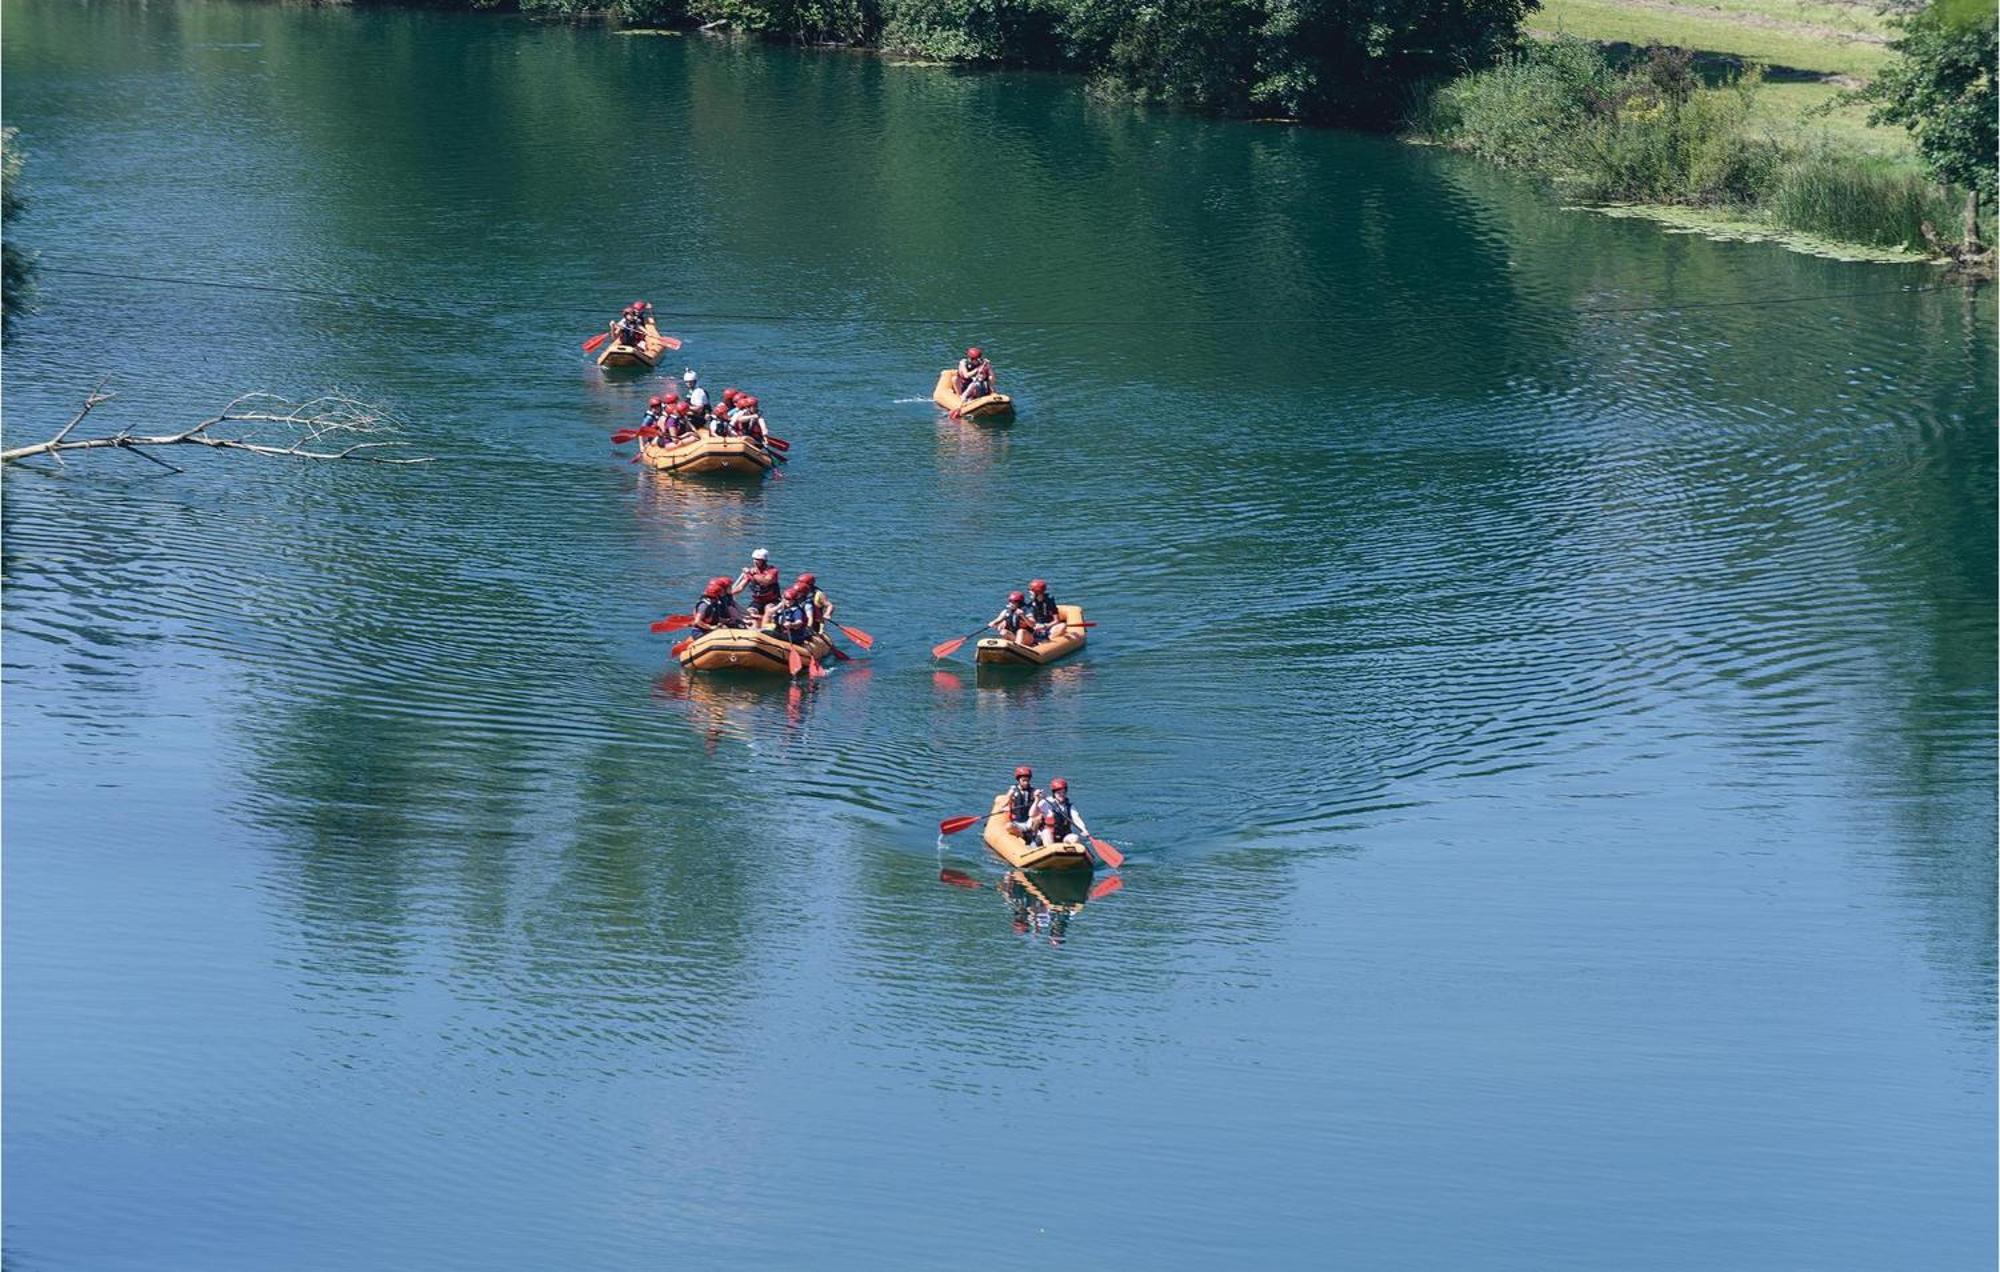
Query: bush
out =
(1522, 110)
(1690, 146)
(1840, 198)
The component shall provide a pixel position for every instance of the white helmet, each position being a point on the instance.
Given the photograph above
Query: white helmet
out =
(761, 554)
(688, 376)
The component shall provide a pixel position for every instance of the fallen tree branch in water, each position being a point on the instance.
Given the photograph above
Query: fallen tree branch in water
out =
(325, 427)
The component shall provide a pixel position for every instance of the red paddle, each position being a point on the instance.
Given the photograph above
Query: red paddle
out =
(674, 622)
(952, 825)
(590, 345)
(677, 650)
(818, 672)
(777, 443)
(950, 647)
(858, 636)
(1105, 852)
(795, 661)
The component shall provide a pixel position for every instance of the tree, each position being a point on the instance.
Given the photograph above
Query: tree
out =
(13, 261)
(1941, 88)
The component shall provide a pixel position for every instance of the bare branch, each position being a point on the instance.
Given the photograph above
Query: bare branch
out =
(260, 423)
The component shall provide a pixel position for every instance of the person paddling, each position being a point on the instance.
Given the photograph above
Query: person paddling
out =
(975, 375)
(697, 397)
(762, 579)
(1022, 798)
(793, 618)
(748, 422)
(1016, 622)
(1043, 609)
(1060, 822)
(821, 607)
(717, 607)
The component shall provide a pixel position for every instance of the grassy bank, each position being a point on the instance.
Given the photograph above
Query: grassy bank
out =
(1699, 134)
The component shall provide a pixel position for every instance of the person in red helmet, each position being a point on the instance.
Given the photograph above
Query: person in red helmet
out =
(1043, 609)
(821, 607)
(975, 374)
(1022, 797)
(749, 422)
(792, 619)
(761, 577)
(1016, 623)
(1060, 821)
(677, 427)
(717, 607)
(656, 416)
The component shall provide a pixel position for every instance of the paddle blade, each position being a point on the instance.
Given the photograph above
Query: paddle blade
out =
(671, 342)
(623, 436)
(858, 636)
(952, 825)
(949, 648)
(681, 648)
(795, 660)
(839, 654)
(778, 443)
(674, 622)
(1106, 887)
(590, 345)
(1107, 854)
(819, 672)
(957, 878)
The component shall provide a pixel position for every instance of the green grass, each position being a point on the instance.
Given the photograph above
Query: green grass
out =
(1818, 45)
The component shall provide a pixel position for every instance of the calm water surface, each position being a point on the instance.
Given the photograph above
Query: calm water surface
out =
(1545, 689)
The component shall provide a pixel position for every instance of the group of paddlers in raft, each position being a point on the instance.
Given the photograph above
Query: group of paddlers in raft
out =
(671, 418)
(795, 614)
(1043, 817)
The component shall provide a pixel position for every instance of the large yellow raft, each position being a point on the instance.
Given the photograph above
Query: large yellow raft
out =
(706, 453)
(741, 649)
(1021, 854)
(1005, 651)
(946, 396)
(644, 354)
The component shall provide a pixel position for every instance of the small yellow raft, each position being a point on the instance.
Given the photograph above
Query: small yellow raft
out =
(1021, 854)
(946, 396)
(706, 453)
(644, 354)
(1004, 651)
(741, 649)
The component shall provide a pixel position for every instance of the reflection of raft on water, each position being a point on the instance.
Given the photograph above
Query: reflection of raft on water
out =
(993, 405)
(705, 453)
(644, 354)
(1004, 651)
(741, 649)
(1021, 854)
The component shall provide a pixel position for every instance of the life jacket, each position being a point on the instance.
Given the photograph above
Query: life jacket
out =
(1043, 607)
(629, 330)
(716, 611)
(794, 615)
(1020, 803)
(1016, 617)
(764, 586)
(1060, 809)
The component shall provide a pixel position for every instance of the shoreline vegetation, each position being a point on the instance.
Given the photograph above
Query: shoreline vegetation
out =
(1830, 126)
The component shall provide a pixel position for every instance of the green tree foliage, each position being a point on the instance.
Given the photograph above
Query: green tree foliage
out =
(13, 261)
(1941, 88)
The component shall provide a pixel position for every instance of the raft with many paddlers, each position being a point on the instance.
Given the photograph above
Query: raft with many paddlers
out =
(1021, 854)
(644, 354)
(993, 405)
(1005, 651)
(706, 453)
(744, 649)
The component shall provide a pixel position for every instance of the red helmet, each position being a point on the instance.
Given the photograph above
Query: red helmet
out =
(1039, 585)
(716, 587)
(747, 400)
(975, 353)
(673, 396)
(806, 580)
(729, 395)
(645, 304)
(1023, 771)
(637, 304)
(1060, 784)
(1016, 597)
(657, 401)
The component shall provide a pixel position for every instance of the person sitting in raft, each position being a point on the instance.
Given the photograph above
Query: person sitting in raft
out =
(656, 416)
(746, 421)
(678, 429)
(822, 608)
(630, 329)
(1022, 798)
(975, 375)
(761, 577)
(717, 607)
(1059, 822)
(1016, 623)
(792, 620)
(1043, 609)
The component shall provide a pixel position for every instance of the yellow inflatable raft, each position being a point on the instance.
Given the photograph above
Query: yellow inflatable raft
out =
(644, 354)
(740, 649)
(1022, 855)
(1004, 651)
(946, 396)
(704, 453)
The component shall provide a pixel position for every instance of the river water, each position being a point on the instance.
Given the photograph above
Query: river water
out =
(1545, 688)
